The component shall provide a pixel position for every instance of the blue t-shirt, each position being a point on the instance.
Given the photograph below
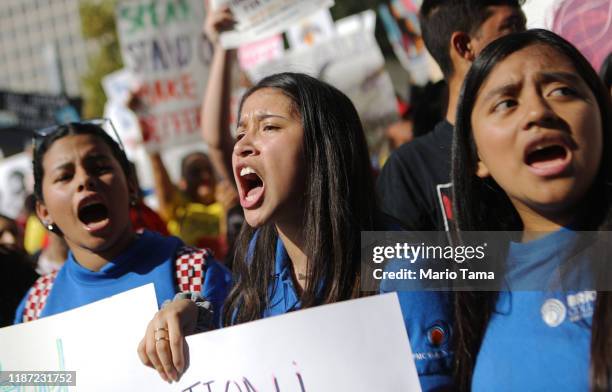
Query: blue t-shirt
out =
(537, 340)
(426, 315)
(150, 259)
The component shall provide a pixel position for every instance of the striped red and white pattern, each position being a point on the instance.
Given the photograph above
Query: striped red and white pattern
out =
(38, 296)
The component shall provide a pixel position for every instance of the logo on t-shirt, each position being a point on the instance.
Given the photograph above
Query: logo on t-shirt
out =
(445, 201)
(581, 305)
(553, 312)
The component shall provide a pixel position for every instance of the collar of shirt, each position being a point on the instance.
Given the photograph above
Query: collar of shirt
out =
(282, 294)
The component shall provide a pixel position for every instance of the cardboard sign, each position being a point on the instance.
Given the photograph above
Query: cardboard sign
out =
(163, 45)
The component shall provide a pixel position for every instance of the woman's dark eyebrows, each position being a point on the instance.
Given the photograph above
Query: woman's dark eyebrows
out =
(95, 157)
(557, 76)
(264, 116)
(505, 89)
(62, 166)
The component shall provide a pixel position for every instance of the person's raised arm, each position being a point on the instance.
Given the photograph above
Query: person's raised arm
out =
(215, 112)
(165, 190)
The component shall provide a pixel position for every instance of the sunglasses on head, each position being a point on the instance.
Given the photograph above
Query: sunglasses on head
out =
(104, 123)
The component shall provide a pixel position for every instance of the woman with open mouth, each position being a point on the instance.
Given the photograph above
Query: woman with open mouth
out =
(305, 184)
(532, 155)
(84, 189)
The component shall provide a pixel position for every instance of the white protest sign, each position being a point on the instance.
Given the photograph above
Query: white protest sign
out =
(352, 62)
(118, 85)
(98, 341)
(258, 19)
(358, 345)
(311, 29)
(15, 175)
(163, 45)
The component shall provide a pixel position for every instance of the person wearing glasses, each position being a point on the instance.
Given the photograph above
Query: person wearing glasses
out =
(84, 188)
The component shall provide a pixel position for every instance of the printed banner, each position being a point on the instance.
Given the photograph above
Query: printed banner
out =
(34, 111)
(162, 43)
(258, 19)
(352, 62)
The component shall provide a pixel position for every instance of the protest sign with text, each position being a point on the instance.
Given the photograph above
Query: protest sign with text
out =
(353, 62)
(358, 345)
(162, 44)
(258, 19)
(97, 341)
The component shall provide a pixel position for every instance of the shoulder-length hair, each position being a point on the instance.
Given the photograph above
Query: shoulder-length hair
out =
(339, 202)
(480, 204)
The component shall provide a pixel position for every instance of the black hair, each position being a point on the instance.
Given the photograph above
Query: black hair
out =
(441, 18)
(18, 275)
(43, 143)
(606, 71)
(427, 106)
(481, 204)
(339, 203)
(188, 157)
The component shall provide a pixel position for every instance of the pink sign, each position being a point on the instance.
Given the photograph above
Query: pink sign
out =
(255, 53)
(587, 25)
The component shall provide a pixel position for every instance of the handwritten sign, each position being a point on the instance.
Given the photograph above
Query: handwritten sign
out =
(98, 341)
(358, 345)
(258, 19)
(162, 42)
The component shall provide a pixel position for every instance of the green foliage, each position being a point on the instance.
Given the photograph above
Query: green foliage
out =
(98, 24)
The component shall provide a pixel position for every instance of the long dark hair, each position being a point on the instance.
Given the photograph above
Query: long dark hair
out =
(339, 203)
(480, 204)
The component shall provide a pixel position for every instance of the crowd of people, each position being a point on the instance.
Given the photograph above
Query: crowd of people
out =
(269, 221)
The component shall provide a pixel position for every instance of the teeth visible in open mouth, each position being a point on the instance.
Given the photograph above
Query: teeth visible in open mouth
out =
(246, 170)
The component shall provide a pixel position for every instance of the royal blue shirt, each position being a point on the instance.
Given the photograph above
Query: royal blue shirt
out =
(149, 259)
(282, 294)
(428, 318)
(537, 340)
